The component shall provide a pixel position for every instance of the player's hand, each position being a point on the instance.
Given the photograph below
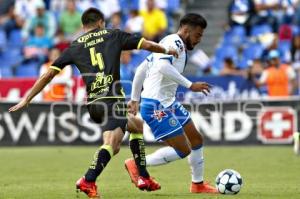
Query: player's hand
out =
(173, 52)
(23, 103)
(133, 107)
(201, 87)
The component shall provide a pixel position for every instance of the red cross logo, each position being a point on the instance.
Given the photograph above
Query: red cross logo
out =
(277, 125)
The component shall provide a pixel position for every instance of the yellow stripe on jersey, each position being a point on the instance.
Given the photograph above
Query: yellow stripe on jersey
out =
(140, 43)
(106, 97)
(55, 68)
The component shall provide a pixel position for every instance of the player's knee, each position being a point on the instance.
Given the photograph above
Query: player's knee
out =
(134, 125)
(183, 153)
(116, 149)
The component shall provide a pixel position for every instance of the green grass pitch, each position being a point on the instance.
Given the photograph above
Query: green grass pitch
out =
(51, 172)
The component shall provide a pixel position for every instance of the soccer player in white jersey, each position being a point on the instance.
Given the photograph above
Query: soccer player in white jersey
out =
(169, 121)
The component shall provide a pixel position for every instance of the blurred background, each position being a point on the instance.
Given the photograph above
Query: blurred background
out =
(244, 41)
(250, 53)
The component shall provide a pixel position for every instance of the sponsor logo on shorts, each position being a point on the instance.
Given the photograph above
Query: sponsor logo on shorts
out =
(172, 122)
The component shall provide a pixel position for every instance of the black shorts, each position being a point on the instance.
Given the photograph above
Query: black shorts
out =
(110, 113)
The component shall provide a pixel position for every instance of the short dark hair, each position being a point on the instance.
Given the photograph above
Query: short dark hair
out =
(91, 16)
(193, 19)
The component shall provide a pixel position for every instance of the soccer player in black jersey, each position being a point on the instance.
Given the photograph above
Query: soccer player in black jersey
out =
(97, 56)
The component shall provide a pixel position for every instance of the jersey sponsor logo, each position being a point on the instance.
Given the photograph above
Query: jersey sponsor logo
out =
(159, 115)
(101, 84)
(276, 125)
(84, 38)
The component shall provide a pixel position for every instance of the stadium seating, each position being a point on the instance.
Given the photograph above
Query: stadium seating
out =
(27, 70)
(2, 40)
(260, 29)
(234, 36)
(11, 57)
(6, 72)
(15, 39)
(253, 51)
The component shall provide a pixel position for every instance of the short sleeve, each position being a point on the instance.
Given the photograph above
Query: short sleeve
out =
(172, 42)
(130, 41)
(63, 60)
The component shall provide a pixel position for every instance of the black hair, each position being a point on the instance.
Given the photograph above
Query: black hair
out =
(193, 19)
(91, 16)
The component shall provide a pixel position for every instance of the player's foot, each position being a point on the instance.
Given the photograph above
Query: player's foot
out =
(148, 184)
(204, 187)
(140, 182)
(132, 171)
(89, 188)
(297, 143)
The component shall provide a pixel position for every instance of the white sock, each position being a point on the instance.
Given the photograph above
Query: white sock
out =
(196, 162)
(162, 156)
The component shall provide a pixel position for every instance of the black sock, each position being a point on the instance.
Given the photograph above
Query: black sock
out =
(137, 147)
(101, 158)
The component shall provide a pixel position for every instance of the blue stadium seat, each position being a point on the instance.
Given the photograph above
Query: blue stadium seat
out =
(227, 51)
(6, 72)
(15, 39)
(253, 51)
(12, 56)
(242, 63)
(173, 5)
(3, 40)
(235, 36)
(27, 70)
(284, 48)
(260, 29)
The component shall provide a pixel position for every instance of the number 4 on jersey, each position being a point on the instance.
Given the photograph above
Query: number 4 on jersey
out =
(96, 59)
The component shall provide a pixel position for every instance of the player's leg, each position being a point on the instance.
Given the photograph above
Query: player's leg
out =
(113, 127)
(137, 145)
(136, 167)
(168, 154)
(196, 160)
(111, 146)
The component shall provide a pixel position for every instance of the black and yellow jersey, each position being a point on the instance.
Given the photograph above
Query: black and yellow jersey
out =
(97, 56)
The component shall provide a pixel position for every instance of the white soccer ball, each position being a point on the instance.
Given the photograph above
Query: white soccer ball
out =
(229, 181)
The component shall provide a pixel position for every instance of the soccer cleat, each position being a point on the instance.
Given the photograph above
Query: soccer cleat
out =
(148, 184)
(132, 171)
(204, 187)
(297, 143)
(89, 188)
(140, 182)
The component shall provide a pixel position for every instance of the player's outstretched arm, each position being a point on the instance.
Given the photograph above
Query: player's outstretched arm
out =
(37, 87)
(170, 72)
(137, 85)
(155, 47)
